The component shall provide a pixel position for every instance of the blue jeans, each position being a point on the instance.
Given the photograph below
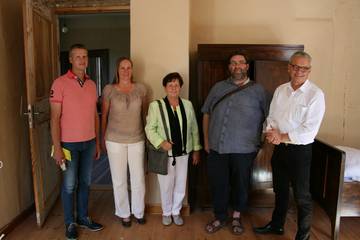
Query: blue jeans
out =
(77, 178)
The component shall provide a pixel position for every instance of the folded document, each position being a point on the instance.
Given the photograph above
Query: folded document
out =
(67, 153)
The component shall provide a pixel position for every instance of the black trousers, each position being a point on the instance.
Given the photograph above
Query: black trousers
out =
(229, 173)
(291, 164)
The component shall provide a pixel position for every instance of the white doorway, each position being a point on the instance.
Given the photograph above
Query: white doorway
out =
(107, 37)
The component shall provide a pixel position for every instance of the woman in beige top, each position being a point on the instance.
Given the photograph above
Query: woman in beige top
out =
(123, 106)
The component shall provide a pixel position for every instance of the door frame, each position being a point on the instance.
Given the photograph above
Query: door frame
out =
(54, 15)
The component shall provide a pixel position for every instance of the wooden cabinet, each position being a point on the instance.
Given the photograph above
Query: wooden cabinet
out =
(268, 66)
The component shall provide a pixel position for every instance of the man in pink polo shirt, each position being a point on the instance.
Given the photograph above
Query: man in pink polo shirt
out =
(74, 126)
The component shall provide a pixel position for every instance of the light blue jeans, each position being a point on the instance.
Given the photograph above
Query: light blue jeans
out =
(77, 179)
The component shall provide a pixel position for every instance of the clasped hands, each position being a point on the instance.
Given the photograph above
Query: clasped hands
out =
(273, 136)
(167, 145)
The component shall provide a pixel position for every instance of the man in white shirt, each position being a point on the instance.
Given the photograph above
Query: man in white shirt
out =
(295, 115)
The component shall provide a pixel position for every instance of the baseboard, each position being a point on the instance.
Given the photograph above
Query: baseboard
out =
(17, 220)
(156, 209)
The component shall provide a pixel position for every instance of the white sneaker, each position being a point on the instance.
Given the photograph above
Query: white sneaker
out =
(178, 220)
(166, 220)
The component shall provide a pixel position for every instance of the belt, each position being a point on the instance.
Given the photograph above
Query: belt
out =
(288, 144)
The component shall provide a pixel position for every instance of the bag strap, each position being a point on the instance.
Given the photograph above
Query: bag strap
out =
(166, 128)
(231, 93)
(163, 120)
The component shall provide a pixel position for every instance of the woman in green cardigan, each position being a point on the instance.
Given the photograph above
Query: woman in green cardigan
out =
(184, 140)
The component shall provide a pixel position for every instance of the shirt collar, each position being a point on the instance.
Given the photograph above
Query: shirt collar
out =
(303, 87)
(230, 80)
(71, 74)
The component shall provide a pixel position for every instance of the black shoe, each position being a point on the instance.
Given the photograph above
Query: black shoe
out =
(141, 221)
(126, 222)
(90, 224)
(268, 229)
(70, 231)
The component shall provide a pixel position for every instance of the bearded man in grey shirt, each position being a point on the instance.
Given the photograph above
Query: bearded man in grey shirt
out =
(234, 112)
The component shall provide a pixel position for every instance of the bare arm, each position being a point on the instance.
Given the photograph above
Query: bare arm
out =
(144, 108)
(104, 120)
(206, 118)
(55, 109)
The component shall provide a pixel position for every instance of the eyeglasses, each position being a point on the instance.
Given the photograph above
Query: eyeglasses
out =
(234, 63)
(299, 68)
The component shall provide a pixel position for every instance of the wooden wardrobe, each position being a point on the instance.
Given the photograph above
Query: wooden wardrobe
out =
(268, 66)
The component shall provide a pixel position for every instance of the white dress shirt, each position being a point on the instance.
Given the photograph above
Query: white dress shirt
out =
(298, 113)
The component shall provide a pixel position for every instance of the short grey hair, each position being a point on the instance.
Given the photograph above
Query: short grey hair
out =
(300, 54)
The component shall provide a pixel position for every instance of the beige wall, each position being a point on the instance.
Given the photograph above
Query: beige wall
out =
(329, 29)
(159, 45)
(15, 175)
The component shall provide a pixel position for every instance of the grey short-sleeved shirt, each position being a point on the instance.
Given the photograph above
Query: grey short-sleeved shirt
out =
(236, 122)
(125, 121)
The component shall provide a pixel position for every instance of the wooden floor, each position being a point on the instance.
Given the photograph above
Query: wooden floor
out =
(101, 209)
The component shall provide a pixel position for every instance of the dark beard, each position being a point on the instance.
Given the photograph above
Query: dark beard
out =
(239, 76)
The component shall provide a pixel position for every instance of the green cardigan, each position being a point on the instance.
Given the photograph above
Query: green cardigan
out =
(155, 131)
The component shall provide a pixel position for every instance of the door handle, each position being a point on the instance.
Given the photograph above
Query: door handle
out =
(30, 115)
(34, 113)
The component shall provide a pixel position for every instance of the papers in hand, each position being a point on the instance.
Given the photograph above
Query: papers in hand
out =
(67, 155)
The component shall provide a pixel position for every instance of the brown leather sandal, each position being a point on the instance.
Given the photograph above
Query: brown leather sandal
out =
(236, 226)
(214, 226)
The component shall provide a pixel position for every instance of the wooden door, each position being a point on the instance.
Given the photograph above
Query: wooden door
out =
(268, 66)
(40, 38)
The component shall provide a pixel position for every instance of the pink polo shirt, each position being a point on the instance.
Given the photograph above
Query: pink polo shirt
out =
(78, 107)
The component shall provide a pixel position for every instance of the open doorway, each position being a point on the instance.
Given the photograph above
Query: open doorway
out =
(107, 37)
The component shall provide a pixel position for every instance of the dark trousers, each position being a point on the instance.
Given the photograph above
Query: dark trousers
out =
(291, 164)
(229, 172)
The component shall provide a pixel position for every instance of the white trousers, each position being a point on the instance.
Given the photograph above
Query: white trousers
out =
(120, 156)
(173, 186)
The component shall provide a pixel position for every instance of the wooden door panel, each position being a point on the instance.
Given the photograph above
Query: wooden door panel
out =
(213, 72)
(40, 60)
(43, 54)
(261, 174)
(49, 171)
(271, 74)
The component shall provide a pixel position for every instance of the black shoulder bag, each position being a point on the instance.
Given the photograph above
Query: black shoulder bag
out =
(158, 158)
